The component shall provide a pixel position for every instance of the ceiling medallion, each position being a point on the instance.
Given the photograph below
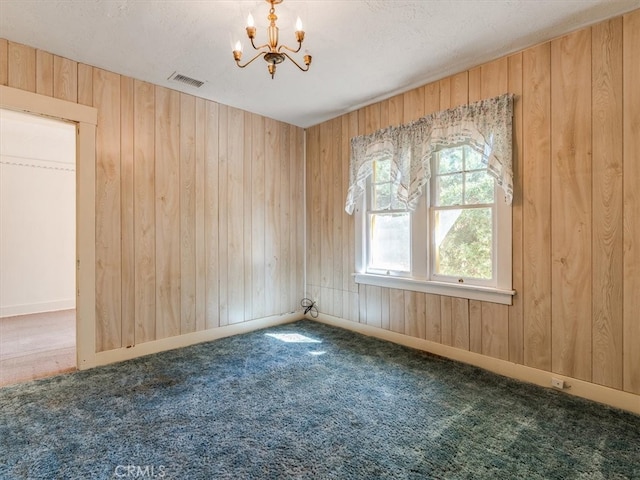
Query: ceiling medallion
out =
(272, 52)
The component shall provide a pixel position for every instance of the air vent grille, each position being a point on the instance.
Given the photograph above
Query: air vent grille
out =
(177, 77)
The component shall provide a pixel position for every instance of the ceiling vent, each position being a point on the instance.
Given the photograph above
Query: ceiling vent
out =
(192, 82)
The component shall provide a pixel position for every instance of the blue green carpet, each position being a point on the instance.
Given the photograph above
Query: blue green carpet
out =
(270, 405)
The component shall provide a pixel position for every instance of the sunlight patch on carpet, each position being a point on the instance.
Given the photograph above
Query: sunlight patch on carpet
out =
(292, 338)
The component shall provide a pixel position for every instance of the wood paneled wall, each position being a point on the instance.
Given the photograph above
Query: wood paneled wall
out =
(576, 211)
(199, 206)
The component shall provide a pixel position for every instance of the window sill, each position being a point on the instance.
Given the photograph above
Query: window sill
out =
(472, 292)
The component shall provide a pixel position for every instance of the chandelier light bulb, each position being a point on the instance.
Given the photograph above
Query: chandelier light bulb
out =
(250, 21)
(298, 25)
(238, 46)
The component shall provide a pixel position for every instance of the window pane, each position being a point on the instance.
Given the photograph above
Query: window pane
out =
(478, 187)
(472, 159)
(449, 190)
(381, 196)
(382, 171)
(390, 242)
(450, 160)
(464, 243)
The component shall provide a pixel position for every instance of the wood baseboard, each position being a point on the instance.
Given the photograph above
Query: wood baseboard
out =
(580, 388)
(170, 343)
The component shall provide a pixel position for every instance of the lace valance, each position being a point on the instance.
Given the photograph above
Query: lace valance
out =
(485, 126)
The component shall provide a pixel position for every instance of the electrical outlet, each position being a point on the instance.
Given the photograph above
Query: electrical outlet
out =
(557, 383)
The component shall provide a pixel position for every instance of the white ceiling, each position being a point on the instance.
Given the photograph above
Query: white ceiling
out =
(363, 50)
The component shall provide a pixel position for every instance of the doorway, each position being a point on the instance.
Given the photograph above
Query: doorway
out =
(37, 246)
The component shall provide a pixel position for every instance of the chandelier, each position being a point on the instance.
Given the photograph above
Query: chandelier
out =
(272, 52)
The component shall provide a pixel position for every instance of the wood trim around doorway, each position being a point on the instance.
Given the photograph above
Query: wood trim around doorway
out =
(85, 119)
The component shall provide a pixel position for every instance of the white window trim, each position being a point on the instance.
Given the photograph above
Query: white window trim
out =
(419, 281)
(471, 292)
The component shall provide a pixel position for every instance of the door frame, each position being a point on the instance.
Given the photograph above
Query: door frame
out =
(86, 119)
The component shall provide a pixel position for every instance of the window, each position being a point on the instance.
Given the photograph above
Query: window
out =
(462, 215)
(389, 225)
(456, 242)
(432, 200)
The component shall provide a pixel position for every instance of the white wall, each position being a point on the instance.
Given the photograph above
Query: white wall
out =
(37, 214)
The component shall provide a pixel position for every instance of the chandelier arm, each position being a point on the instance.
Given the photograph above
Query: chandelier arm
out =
(290, 49)
(258, 55)
(295, 63)
(266, 45)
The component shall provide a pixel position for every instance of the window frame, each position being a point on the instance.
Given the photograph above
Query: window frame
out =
(420, 278)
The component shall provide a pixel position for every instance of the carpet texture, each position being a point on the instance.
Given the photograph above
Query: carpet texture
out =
(272, 404)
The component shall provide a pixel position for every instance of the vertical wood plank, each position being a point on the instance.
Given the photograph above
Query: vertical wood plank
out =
(475, 88)
(297, 202)
(371, 121)
(631, 206)
(475, 326)
(431, 98)
(433, 318)
(536, 208)
(314, 209)
(272, 217)
(395, 112)
(187, 171)
(445, 320)
(234, 205)
(413, 105)
(223, 214)
(258, 259)
(21, 67)
(460, 323)
(44, 73)
(201, 264)
(338, 215)
(65, 79)
(607, 202)
(247, 246)
(106, 97)
(167, 148)
(85, 84)
(302, 215)
(4, 61)
(362, 303)
(396, 310)
(284, 256)
(516, 317)
(495, 340)
(421, 316)
(384, 112)
(410, 313)
(459, 89)
(211, 216)
(571, 194)
(374, 306)
(144, 222)
(445, 93)
(385, 308)
(127, 233)
(326, 217)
